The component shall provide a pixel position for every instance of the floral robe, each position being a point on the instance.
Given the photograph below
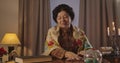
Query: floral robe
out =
(52, 46)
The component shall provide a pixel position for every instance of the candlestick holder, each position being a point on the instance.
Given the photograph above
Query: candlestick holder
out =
(116, 50)
(113, 38)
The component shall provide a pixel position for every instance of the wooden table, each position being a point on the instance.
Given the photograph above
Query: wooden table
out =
(62, 61)
(65, 61)
(112, 58)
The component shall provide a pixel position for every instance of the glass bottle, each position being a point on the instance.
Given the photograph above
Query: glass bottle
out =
(92, 56)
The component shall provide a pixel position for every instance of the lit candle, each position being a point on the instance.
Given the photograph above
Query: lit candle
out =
(113, 25)
(108, 31)
(114, 28)
(118, 31)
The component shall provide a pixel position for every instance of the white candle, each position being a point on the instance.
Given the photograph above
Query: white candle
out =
(114, 28)
(118, 31)
(113, 25)
(108, 31)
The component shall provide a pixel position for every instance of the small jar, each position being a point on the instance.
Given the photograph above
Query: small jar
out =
(92, 56)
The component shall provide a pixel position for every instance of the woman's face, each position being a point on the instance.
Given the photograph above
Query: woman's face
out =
(63, 19)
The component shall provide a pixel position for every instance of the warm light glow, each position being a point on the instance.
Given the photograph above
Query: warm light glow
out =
(113, 25)
(10, 39)
(108, 31)
(118, 31)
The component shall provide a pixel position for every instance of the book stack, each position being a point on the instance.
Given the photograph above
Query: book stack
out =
(32, 59)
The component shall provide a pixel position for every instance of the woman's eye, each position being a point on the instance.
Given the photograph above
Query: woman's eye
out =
(58, 18)
(65, 16)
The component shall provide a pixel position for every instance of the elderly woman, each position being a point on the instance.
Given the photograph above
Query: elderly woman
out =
(65, 40)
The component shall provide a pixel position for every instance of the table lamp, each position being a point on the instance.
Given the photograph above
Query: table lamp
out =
(11, 40)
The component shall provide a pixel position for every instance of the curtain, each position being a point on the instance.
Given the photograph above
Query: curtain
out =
(34, 21)
(95, 17)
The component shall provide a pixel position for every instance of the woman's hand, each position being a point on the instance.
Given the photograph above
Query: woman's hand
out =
(81, 53)
(72, 56)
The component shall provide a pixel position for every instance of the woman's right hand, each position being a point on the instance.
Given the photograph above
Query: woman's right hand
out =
(72, 56)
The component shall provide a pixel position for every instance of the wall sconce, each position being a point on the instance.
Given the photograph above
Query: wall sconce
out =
(11, 40)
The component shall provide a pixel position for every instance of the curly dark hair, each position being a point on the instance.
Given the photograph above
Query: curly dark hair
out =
(63, 7)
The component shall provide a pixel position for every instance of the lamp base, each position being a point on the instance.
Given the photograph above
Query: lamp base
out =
(10, 49)
(0, 59)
